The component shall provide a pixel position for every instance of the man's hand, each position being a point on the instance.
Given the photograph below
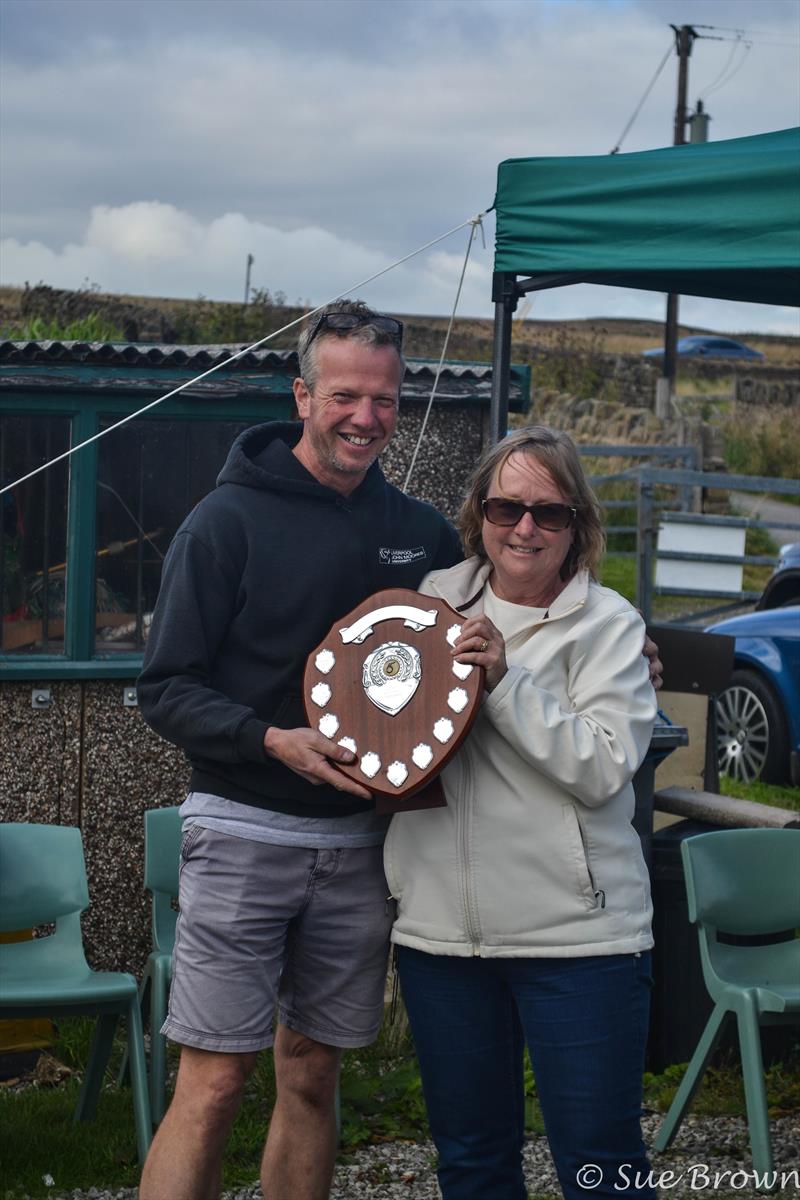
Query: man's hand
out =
(308, 753)
(650, 651)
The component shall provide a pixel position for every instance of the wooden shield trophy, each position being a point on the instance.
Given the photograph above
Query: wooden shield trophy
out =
(384, 684)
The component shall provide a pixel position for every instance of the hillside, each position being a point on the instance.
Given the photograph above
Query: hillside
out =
(38, 311)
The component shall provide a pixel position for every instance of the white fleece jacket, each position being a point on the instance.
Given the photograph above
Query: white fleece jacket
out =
(535, 854)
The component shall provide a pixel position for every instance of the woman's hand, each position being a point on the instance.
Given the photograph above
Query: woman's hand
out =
(481, 643)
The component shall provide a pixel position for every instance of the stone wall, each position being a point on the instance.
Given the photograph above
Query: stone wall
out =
(771, 386)
(603, 421)
(630, 379)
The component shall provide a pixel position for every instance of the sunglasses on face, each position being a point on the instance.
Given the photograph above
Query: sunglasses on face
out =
(552, 517)
(342, 322)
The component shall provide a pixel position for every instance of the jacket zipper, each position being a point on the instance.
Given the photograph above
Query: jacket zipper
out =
(599, 894)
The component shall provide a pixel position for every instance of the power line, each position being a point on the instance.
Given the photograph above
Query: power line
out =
(720, 81)
(736, 44)
(752, 36)
(741, 32)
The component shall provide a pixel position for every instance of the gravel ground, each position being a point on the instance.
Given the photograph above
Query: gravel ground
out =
(710, 1154)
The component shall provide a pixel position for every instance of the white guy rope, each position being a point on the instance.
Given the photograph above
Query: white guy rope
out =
(475, 222)
(239, 354)
(640, 105)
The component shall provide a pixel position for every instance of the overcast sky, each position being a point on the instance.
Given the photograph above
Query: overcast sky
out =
(149, 145)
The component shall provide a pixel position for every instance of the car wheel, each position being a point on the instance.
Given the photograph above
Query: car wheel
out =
(751, 731)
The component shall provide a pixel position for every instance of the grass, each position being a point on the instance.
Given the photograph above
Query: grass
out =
(763, 793)
(39, 1140)
(762, 443)
(381, 1100)
(90, 328)
(620, 574)
(721, 1092)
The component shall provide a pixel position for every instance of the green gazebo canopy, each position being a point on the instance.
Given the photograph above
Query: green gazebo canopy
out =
(718, 219)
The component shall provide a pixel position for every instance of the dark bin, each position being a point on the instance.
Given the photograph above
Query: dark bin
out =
(681, 1005)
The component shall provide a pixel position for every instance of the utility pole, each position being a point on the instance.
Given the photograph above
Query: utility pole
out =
(665, 386)
(250, 261)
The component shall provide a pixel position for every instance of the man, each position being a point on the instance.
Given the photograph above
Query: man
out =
(283, 901)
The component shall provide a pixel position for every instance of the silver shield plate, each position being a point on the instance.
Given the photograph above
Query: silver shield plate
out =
(391, 675)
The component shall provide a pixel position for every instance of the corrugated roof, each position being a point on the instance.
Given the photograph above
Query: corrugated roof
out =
(458, 380)
(144, 354)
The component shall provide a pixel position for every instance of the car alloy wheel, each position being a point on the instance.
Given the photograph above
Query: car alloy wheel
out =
(751, 739)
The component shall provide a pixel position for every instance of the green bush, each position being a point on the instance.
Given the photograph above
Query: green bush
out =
(204, 322)
(90, 328)
(572, 363)
(762, 443)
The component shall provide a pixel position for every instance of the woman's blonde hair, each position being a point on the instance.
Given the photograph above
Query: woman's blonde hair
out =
(556, 452)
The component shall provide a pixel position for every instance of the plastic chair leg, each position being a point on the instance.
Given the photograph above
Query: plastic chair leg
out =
(691, 1080)
(158, 1043)
(102, 1042)
(139, 1089)
(755, 1090)
(124, 1074)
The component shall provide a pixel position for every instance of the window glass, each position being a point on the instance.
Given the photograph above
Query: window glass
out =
(150, 476)
(33, 535)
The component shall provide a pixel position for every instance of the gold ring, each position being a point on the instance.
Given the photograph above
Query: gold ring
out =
(484, 646)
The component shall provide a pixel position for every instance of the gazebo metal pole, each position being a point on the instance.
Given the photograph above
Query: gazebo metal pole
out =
(504, 294)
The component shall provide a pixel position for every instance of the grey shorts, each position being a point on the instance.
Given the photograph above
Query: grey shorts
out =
(266, 928)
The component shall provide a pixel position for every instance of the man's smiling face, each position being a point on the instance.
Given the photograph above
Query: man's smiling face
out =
(351, 414)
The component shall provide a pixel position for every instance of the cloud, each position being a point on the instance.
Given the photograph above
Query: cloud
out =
(152, 248)
(290, 113)
(145, 231)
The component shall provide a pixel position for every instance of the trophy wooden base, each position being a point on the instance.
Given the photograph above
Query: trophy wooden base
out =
(430, 796)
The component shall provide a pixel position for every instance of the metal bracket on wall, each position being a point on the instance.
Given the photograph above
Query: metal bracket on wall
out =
(41, 698)
(129, 698)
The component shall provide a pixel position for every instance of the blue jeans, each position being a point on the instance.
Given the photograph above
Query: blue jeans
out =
(585, 1024)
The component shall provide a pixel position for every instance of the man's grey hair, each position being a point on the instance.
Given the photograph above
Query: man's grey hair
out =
(367, 335)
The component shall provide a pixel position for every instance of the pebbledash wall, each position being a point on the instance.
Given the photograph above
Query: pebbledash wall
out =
(80, 551)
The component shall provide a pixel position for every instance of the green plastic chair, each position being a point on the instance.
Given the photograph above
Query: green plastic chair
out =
(162, 846)
(743, 882)
(43, 880)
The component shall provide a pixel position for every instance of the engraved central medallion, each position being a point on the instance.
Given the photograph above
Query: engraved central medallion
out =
(391, 675)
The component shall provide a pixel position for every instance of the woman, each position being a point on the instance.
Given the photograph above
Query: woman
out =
(524, 905)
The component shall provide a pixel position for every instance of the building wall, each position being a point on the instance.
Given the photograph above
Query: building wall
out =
(89, 760)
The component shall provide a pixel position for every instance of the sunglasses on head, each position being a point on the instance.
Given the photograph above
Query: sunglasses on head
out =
(552, 517)
(341, 322)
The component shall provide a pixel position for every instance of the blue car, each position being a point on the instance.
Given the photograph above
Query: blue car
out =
(783, 586)
(709, 346)
(758, 714)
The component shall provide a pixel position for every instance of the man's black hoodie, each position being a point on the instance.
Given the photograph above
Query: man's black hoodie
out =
(253, 580)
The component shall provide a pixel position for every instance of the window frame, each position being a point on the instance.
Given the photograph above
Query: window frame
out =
(85, 411)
